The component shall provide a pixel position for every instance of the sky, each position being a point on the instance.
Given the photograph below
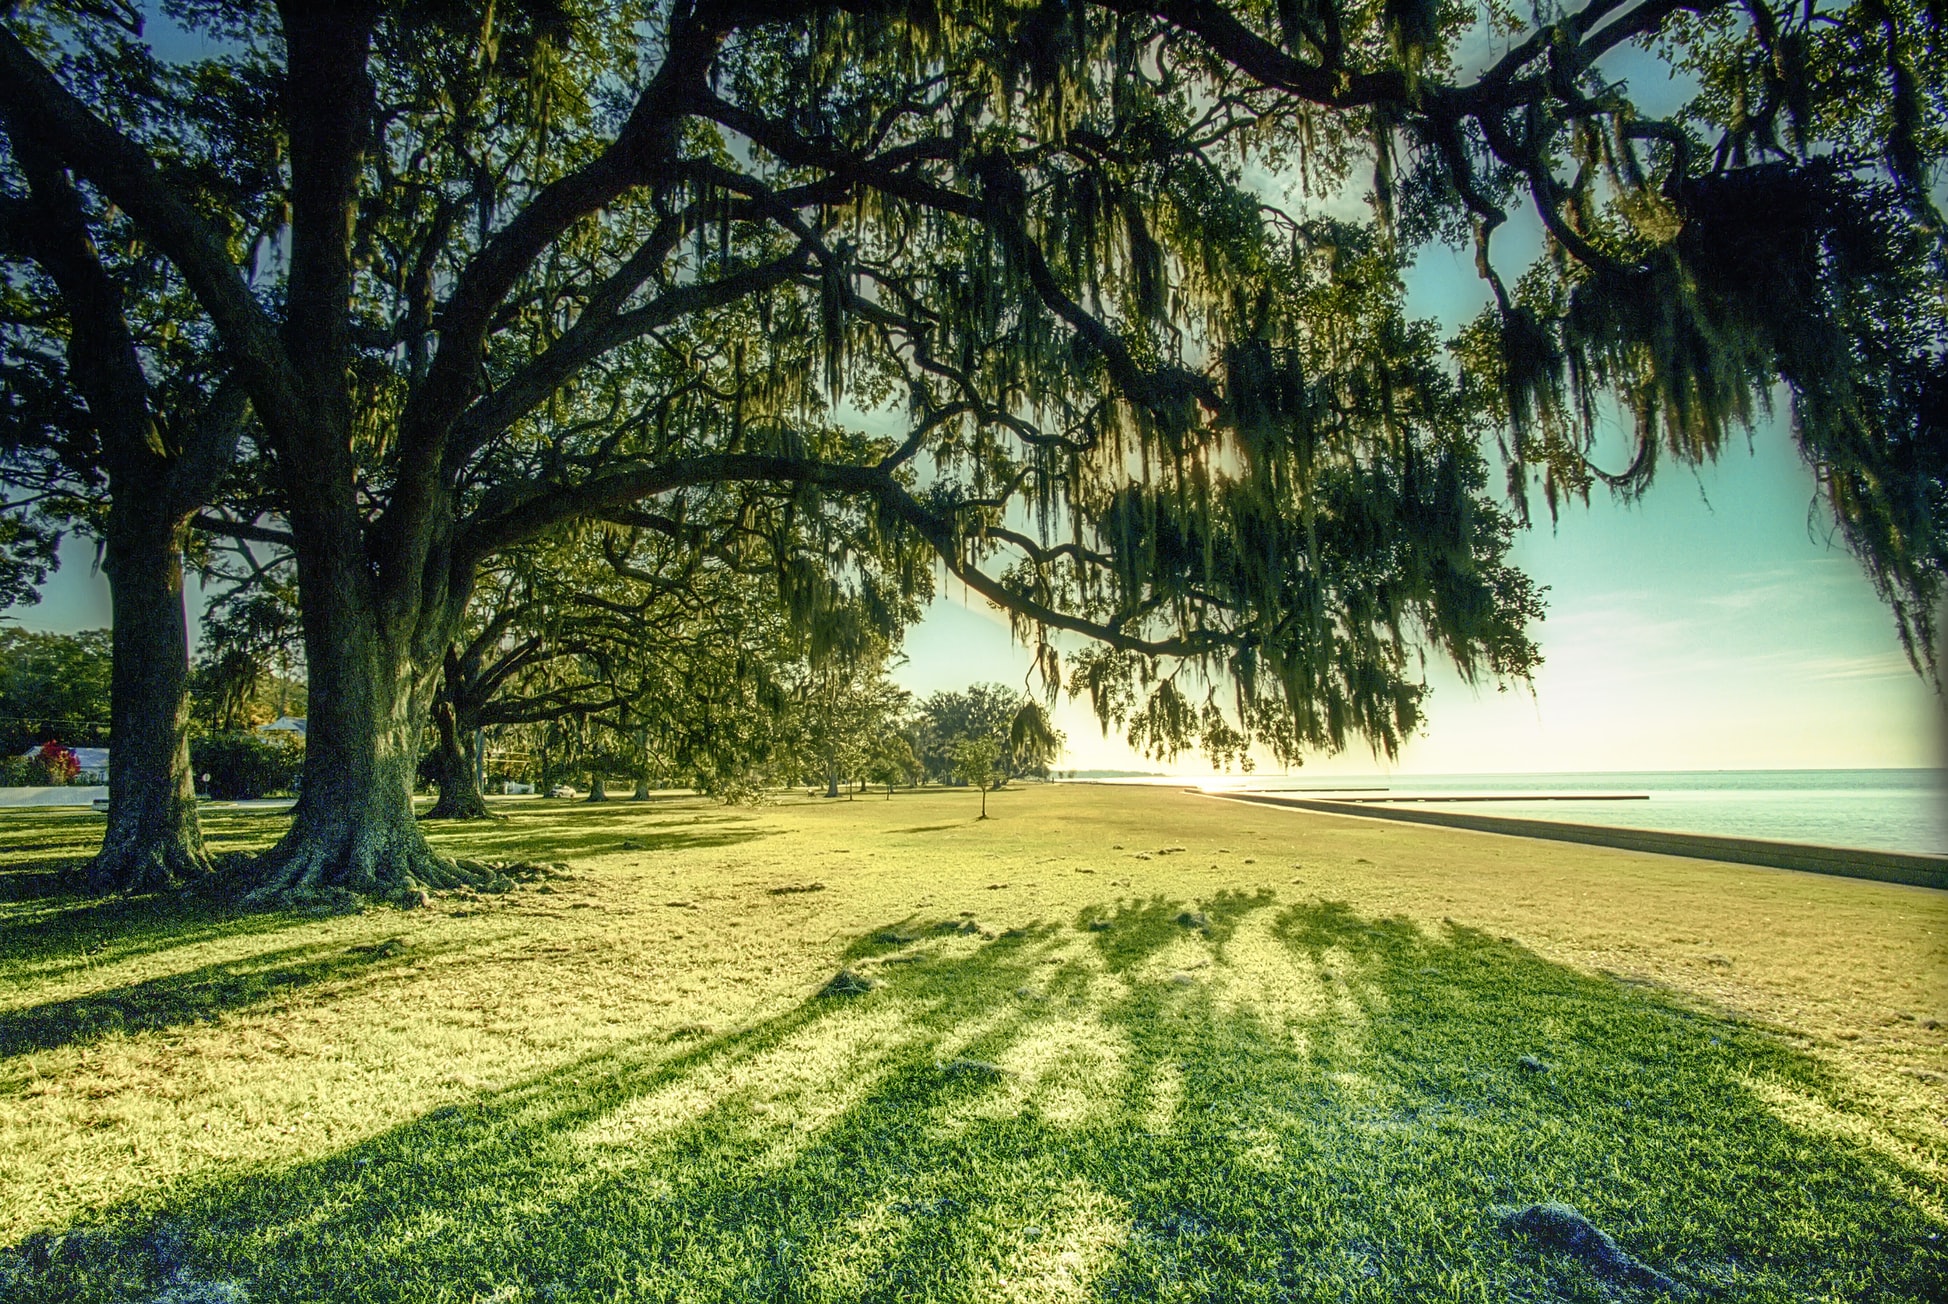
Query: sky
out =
(1704, 627)
(1714, 624)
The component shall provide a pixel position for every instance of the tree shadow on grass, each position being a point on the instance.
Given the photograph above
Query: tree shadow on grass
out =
(45, 851)
(60, 935)
(58, 928)
(52, 928)
(1273, 1103)
(496, 843)
(202, 995)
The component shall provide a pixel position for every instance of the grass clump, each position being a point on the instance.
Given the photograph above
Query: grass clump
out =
(584, 1094)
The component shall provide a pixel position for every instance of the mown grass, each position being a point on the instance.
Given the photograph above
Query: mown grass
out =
(1300, 1058)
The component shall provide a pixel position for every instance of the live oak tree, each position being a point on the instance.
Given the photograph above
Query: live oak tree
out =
(685, 641)
(548, 641)
(1005, 277)
(121, 417)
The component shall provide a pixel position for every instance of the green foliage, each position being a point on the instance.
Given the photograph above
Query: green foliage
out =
(977, 763)
(946, 717)
(242, 766)
(678, 656)
(1026, 741)
(248, 671)
(28, 551)
(53, 686)
(212, 130)
(892, 761)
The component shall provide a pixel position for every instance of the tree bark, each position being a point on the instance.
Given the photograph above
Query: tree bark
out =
(454, 771)
(642, 767)
(353, 827)
(598, 787)
(154, 841)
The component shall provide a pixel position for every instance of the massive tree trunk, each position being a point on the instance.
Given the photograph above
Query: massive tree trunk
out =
(455, 768)
(382, 600)
(153, 841)
(598, 786)
(353, 827)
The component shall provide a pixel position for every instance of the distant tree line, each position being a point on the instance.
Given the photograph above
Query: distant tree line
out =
(53, 688)
(745, 710)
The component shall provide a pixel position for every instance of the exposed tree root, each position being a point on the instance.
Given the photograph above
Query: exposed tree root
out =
(332, 873)
(153, 864)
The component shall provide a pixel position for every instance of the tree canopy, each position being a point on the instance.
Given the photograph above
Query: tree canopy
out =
(1011, 283)
(1024, 739)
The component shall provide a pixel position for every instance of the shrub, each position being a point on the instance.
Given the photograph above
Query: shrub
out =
(244, 765)
(16, 772)
(53, 764)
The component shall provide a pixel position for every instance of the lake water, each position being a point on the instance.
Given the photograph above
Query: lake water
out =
(1885, 810)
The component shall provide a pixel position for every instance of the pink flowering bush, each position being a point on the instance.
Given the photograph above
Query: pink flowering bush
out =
(57, 764)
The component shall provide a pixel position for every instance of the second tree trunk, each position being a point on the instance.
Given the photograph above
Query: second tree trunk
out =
(154, 840)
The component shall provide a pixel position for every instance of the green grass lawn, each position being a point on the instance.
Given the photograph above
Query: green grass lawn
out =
(1119, 1045)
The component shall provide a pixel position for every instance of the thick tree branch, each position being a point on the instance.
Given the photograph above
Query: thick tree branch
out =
(1265, 62)
(598, 331)
(229, 529)
(102, 358)
(537, 514)
(328, 108)
(645, 145)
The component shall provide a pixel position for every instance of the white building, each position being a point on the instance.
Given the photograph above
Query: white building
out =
(93, 761)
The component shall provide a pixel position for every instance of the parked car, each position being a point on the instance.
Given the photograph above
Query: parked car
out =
(563, 791)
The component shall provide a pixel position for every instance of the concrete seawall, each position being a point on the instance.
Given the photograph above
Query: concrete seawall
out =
(1912, 868)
